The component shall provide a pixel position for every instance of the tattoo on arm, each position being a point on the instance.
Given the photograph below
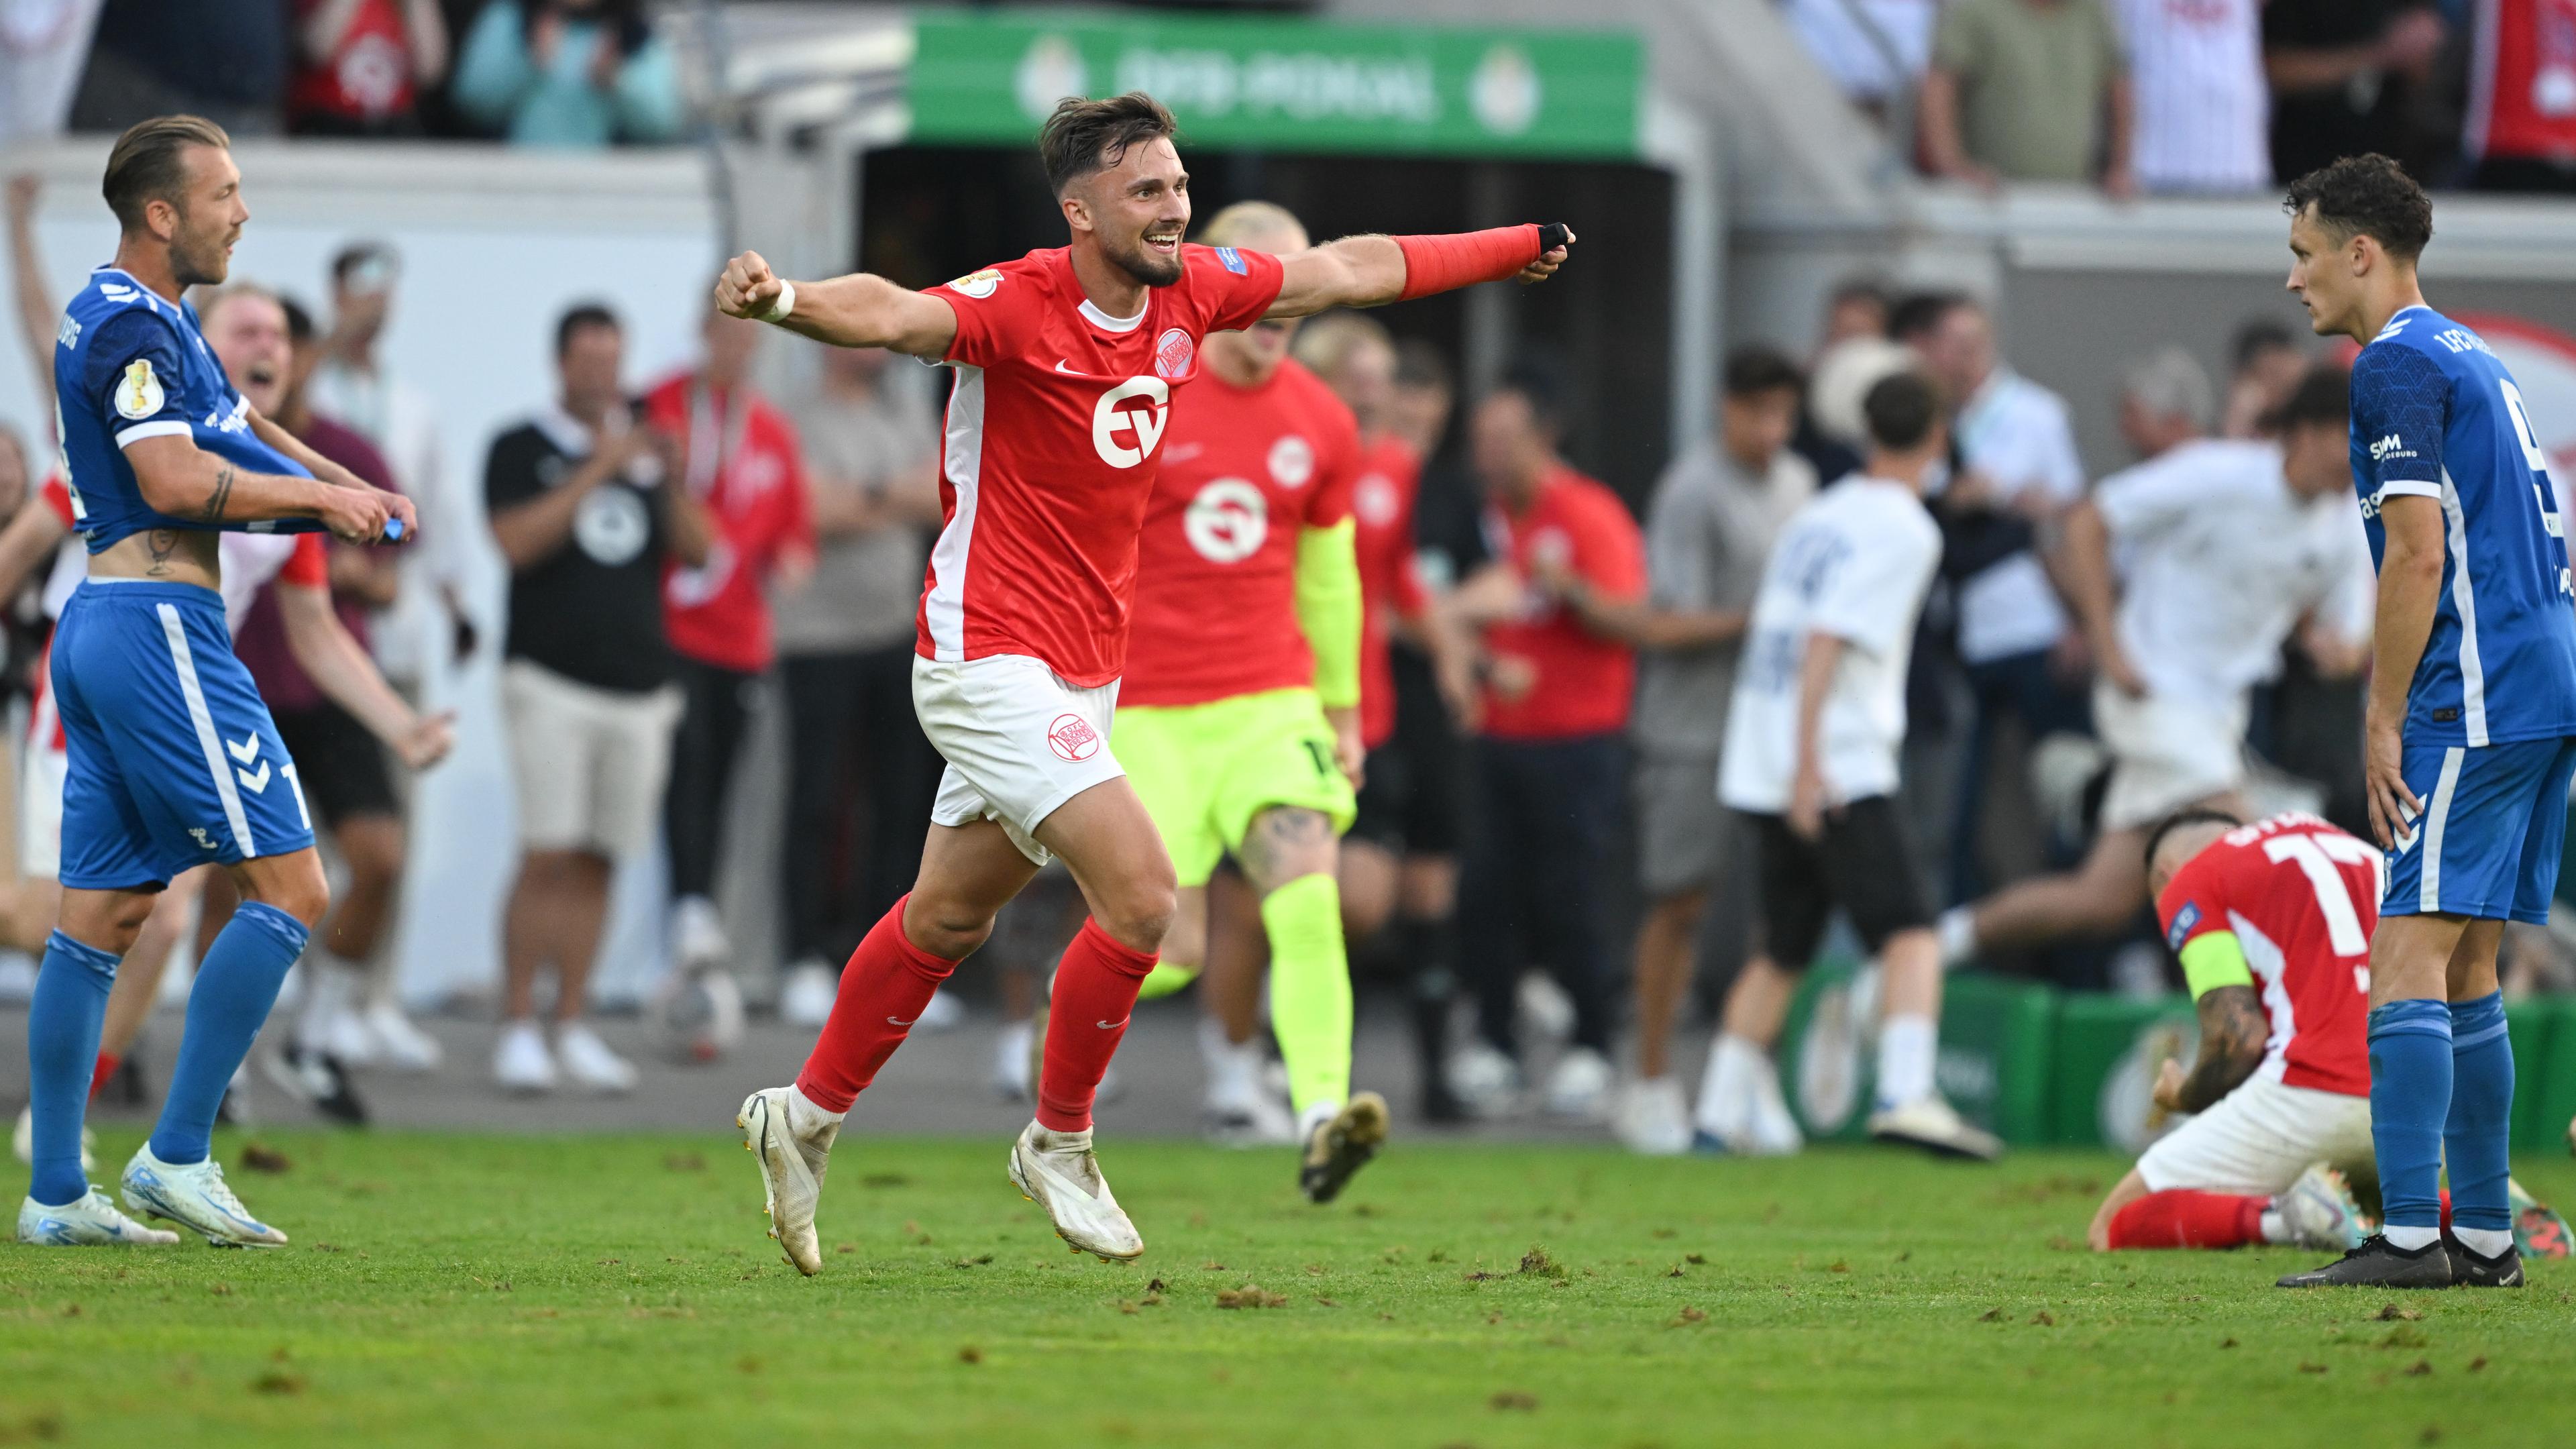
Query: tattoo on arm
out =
(223, 494)
(1283, 843)
(162, 542)
(2233, 1032)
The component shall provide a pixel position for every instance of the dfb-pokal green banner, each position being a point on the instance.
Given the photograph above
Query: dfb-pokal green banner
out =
(991, 76)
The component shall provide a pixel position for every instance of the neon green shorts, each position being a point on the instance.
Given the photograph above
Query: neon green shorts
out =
(1205, 770)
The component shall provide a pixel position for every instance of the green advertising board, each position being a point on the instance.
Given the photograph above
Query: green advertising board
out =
(988, 77)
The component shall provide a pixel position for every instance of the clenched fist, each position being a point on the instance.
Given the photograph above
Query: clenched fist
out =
(748, 287)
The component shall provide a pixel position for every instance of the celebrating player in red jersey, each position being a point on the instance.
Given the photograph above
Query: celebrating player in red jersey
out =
(1066, 362)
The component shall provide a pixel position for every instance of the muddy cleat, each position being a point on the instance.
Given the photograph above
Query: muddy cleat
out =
(196, 1197)
(2471, 1269)
(1935, 1126)
(93, 1221)
(1057, 1171)
(791, 1171)
(2320, 1211)
(2378, 1264)
(2538, 1230)
(1341, 1147)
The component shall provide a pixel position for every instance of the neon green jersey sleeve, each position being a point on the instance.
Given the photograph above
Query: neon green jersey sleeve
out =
(2214, 959)
(1328, 609)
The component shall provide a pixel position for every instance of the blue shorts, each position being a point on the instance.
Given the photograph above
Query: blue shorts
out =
(173, 759)
(2487, 842)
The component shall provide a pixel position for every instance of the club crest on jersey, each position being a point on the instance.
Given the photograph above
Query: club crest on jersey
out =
(138, 393)
(1072, 738)
(978, 285)
(1112, 425)
(1292, 462)
(1173, 353)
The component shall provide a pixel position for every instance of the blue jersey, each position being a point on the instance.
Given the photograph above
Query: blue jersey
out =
(2436, 415)
(130, 365)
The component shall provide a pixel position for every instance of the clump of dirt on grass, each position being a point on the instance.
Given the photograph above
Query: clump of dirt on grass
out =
(1537, 1264)
(1250, 1295)
(260, 1157)
(1510, 1400)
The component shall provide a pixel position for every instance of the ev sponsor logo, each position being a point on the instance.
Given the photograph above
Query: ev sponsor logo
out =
(1072, 738)
(978, 285)
(1113, 427)
(138, 393)
(1227, 522)
(2389, 449)
(1173, 353)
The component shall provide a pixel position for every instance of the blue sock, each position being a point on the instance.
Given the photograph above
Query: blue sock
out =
(236, 985)
(2478, 1134)
(63, 1023)
(2410, 1099)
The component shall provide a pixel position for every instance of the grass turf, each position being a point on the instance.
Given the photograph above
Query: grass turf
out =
(473, 1289)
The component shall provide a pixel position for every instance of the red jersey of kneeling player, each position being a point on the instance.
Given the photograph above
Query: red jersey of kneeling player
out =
(1244, 469)
(1052, 445)
(1390, 578)
(2302, 898)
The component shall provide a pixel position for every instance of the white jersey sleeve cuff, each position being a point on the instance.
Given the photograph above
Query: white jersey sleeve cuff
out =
(2410, 488)
(165, 427)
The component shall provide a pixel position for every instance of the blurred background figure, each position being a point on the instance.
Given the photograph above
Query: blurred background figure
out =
(361, 65)
(2202, 107)
(2029, 90)
(569, 73)
(2268, 362)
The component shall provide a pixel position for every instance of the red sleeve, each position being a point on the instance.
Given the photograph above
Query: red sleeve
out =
(1232, 287)
(1337, 470)
(2195, 900)
(58, 497)
(1612, 553)
(997, 310)
(309, 566)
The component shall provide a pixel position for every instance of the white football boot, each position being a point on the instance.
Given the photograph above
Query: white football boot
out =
(2320, 1212)
(791, 1168)
(23, 1141)
(1931, 1123)
(195, 1197)
(1057, 1171)
(92, 1221)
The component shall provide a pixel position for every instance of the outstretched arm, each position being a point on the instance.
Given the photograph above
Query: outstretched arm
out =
(858, 310)
(1371, 271)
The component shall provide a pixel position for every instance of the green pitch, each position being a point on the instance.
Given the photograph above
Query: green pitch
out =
(618, 1290)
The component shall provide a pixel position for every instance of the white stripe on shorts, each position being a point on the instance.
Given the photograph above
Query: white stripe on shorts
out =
(2437, 817)
(207, 740)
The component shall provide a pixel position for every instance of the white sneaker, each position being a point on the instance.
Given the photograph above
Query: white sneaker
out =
(347, 1038)
(23, 1142)
(1249, 1117)
(1579, 1088)
(1485, 1082)
(522, 1062)
(1653, 1119)
(195, 1197)
(805, 1000)
(2320, 1212)
(1771, 1130)
(791, 1171)
(1057, 1171)
(92, 1221)
(1932, 1124)
(1545, 1006)
(698, 940)
(399, 1041)
(942, 1012)
(589, 1064)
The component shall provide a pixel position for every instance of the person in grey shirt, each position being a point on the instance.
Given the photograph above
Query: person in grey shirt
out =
(1708, 532)
(845, 639)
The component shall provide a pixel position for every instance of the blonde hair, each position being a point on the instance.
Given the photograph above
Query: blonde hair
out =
(1328, 341)
(1245, 220)
(144, 166)
(210, 300)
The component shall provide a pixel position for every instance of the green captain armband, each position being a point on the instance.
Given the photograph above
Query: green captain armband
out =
(1328, 609)
(2214, 960)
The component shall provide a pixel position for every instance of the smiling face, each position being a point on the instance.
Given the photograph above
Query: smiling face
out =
(205, 218)
(1135, 211)
(248, 335)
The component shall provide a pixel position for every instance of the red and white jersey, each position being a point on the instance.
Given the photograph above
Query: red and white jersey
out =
(2522, 81)
(1051, 450)
(739, 457)
(2302, 898)
(1244, 469)
(1390, 584)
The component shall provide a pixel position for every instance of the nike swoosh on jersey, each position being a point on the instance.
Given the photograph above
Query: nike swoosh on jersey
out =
(1109, 1025)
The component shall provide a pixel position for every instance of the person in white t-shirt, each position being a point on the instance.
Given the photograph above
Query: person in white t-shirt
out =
(1812, 735)
(2190, 571)
(2204, 109)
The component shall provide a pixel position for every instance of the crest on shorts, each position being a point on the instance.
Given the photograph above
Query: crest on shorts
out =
(978, 285)
(138, 393)
(1173, 353)
(1072, 738)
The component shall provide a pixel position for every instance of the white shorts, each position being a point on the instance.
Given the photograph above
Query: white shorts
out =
(589, 763)
(2259, 1138)
(40, 809)
(2166, 753)
(1019, 741)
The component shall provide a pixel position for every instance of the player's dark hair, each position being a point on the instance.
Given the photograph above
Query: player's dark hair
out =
(2256, 337)
(2368, 196)
(1419, 362)
(1901, 409)
(1081, 137)
(1917, 313)
(359, 254)
(2323, 398)
(299, 322)
(579, 316)
(145, 166)
(2189, 815)
(1761, 368)
(1540, 380)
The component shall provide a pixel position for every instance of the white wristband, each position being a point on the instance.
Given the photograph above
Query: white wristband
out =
(777, 310)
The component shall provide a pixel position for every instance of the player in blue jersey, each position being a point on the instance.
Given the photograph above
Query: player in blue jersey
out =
(173, 759)
(2471, 730)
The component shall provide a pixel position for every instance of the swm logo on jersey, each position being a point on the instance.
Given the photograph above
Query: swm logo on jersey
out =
(1110, 422)
(2389, 447)
(1227, 522)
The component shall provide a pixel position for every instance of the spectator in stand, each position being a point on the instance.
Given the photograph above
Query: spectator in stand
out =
(1548, 756)
(2269, 361)
(361, 65)
(1851, 356)
(588, 513)
(2521, 131)
(2018, 471)
(1715, 516)
(2345, 75)
(1874, 51)
(353, 385)
(570, 73)
(2204, 110)
(739, 462)
(225, 60)
(2028, 90)
(855, 752)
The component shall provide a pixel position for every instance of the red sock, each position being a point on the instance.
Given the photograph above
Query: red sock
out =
(1095, 989)
(2446, 1210)
(883, 989)
(2185, 1219)
(108, 1062)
